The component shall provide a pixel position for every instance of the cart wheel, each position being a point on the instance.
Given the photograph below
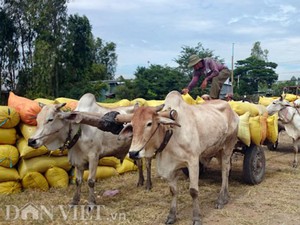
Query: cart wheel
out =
(185, 170)
(273, 146)
(254, 165)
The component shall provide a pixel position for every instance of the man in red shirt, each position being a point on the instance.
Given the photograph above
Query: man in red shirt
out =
(214, 72)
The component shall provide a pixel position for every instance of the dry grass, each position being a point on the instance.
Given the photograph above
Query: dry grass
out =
(276, 201)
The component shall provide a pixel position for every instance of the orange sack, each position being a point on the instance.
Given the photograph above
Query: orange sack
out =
(28, 109)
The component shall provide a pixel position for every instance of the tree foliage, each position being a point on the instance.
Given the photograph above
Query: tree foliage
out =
(254, 71)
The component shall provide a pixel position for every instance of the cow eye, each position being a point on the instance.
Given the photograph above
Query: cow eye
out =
(149, 124)
(49, 120)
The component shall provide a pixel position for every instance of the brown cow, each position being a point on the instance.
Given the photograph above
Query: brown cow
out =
(200, 132)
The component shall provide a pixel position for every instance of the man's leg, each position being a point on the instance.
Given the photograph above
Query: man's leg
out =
(217, 83)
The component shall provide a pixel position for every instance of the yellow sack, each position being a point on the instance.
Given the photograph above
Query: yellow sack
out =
(71, 103)
(8, 136)
(9, 155)
(58, 152)
(265, 101)
(35, 180)
(244, 129)
(290, 97)
(109, 161)
(9, 174)
(57, 177)
(27, 130)
(140, 101)
(272, 128)
(126, 166)
(261, 109)
(199, 100)
(44, 101)
(123, 102)
(9, 117)
(263, 125)
(42, 164)
(154, 103)
(27, 152)
(102, 172)
(10, 187)
(188, 99)
(242, 107)
(255, 130)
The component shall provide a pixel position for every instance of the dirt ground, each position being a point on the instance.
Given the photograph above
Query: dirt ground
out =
(275, 201)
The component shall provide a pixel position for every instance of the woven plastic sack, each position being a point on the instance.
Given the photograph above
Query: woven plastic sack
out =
(10, 187)
(42, 164)
(126, 166)
(140, 101)
(8, 136)
(290, 97)
(9, 156)
(244, 129)
(188, 99)
(27, 152)
(255, 130)
(102, 172)
(154, 103)
(263, 125)
(35, 180)
(57, 177)
(44, 101)
(272, 128)
(199, 100)
(9, 117)
(265, 101)
(242, 107)
(27, 130)
(9, 174)
(109, 161)
(28, 109)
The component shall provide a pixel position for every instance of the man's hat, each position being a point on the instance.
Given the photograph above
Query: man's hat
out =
(193, 60)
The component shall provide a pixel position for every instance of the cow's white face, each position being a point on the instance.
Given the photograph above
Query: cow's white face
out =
(147, 132)
(50, 126)
(277, 105)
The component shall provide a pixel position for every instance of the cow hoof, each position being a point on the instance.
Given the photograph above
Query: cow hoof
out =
(295, 165)
(148, 187)
(171, 220)
(73, 204)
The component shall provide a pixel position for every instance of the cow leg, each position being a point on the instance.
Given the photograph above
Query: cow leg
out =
(139, 163)
(148, 166)
(173, 190)
(76, 197)
(91, 182)
(194, 177)
(295, 162)
(224, 195)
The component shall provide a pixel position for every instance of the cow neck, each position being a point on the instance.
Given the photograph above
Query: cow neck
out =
(166, 140)
(284, 114)
(70, 142)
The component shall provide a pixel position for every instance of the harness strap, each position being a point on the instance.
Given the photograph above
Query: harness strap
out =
(166, 140)
(70, 142)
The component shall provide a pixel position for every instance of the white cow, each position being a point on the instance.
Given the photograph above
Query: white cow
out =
(289, 117)
(199, 133)
(56, 129)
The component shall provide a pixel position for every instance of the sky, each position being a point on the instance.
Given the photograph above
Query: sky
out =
(154, 31)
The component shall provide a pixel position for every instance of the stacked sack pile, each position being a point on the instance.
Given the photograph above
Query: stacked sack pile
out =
(9, 154)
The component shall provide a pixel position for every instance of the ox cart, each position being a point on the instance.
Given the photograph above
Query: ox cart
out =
(254, 163)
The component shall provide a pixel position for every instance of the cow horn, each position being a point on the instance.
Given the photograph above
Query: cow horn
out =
(124, 118)
(159, 107)
(172, 114)
(59, 106)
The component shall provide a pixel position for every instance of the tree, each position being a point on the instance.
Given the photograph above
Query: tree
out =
(154, 82)
(250, 72)
(258, 53)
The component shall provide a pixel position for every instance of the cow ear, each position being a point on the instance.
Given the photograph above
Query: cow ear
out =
(167, 121)
(59, 106)
(70, 116)
(126, 133)
(41, 104)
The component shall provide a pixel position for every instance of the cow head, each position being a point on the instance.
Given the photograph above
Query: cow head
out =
(51, 127)
(147, 130)
(277, 105)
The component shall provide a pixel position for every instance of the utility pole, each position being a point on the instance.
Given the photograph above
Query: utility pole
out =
(232, 67)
